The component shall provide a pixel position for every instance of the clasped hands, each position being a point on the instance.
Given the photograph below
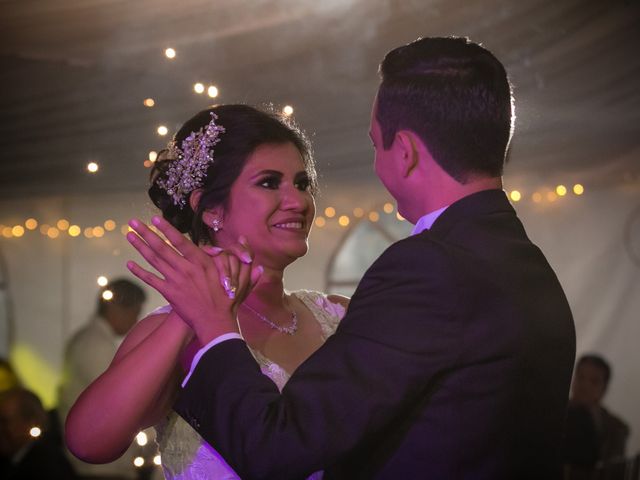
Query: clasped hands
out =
(204, 285)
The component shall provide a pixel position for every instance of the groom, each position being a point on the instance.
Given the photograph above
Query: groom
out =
(455, 356)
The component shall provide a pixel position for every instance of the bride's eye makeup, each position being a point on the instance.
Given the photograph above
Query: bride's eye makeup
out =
(303, 182)
(271, 182)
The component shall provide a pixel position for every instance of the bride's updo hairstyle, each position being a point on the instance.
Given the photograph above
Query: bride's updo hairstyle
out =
(245, 129)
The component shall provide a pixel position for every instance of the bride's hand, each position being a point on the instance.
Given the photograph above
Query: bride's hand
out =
(204, 288)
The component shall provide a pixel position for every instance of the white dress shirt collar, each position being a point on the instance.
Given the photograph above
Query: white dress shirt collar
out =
(426, 221)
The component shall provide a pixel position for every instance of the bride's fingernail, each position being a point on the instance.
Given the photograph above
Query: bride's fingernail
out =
(226, 283)
(246, 258)
(242, 240)
(134, 223)
(213, 250)
(155, 220)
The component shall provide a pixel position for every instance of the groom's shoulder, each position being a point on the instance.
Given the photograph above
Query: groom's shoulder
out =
(415, 250)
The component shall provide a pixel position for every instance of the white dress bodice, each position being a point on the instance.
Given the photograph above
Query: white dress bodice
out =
(186, 456)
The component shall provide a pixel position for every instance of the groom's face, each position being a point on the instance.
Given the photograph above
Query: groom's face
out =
(385, 164)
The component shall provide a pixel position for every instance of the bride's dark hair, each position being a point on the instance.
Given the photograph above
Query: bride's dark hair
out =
(246, 128)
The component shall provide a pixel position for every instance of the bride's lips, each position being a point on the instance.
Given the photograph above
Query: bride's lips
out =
(291, 225)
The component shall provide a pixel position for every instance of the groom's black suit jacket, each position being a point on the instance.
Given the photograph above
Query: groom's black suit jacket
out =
(453, 362)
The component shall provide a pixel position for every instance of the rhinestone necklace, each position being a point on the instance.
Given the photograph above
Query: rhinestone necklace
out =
(289, 330)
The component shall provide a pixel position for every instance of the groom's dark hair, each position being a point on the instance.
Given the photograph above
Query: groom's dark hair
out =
(455, 95)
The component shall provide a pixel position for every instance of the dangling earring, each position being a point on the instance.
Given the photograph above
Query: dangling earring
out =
(216, 225)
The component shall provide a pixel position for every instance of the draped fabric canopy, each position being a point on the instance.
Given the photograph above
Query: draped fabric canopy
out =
(74, 75)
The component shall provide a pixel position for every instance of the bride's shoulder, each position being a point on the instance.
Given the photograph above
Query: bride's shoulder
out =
(142, 329)
(332, 304)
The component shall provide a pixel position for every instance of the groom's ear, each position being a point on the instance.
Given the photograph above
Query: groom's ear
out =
(408, 152)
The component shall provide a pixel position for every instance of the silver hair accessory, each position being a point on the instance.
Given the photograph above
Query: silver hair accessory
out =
(289, 330)
(216, 225)
(191, 161)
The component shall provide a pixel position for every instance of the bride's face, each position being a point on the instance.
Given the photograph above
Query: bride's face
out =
(271, 205)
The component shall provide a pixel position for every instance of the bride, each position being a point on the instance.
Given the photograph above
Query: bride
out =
(231, 172)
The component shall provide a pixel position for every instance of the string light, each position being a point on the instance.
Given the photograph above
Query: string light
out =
(107, 295)
(198, 88)
(98, 232)
(287, 110)
(17, 231)
(400, 217)
(170, 53)
(74, 230)
(330, 212)
(343, 221)
(92, 167)
(561, 190)
(162, 130)
(212, 91)
(141, 439)
(320, 222)
(35, 432)
(88, 232)
(62, 224)
(551, 196)
(578, 189)
(358, 212)
(149, 102)
(515, 196)
(153, 156)
(31, 223)
(138, 461)
(374, 216)
(102, 281)
(536, 197)
(53, 232)
(388, 208)
(157, 460)
(109, 225)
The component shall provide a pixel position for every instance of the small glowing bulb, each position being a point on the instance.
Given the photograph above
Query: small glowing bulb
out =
(287, 110)
(35, 432)
(515, 196)
(74, 230)
(537, 197)
(388, 208)
(157, 460)
(31, 224)
(399, 217)
(162, 130)
(170, 53)
(107, 295)
(198, 87)
(17, 231)
(320, 222)
(102, 281)
(88, 232)
(6, 232)
(141, 439)
(92, 167)
(330, 212)
(358, 212)
(98, 232)
(212, 91)
(63, 224)
(561, 190)
(149, 102)
(343, 221)
(53, 232)
(138, 461)
(109, 225)
(153, 156)
(374, 216)
(578, 189)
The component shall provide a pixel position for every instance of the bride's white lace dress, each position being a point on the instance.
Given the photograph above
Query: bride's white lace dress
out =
(186, 456)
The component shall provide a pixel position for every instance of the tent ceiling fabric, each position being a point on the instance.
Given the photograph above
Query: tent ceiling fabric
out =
(74, 75)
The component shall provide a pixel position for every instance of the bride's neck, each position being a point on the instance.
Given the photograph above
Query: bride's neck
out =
(269, 292)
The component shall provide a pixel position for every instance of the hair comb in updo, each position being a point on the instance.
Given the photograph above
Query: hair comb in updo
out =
(190, 162)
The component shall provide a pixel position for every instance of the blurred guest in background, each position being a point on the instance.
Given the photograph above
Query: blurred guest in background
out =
(89, 353)
(25, 443)
(594, 436)
(8, 377)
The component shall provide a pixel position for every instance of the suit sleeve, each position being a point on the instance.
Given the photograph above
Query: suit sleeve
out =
(400, 331)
